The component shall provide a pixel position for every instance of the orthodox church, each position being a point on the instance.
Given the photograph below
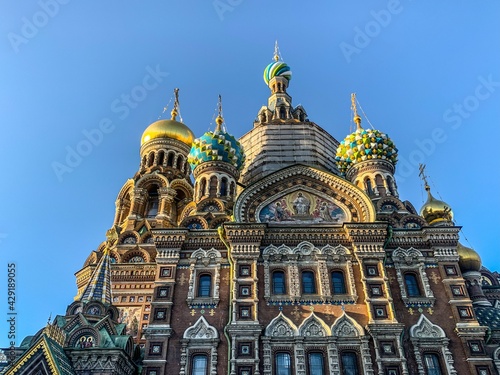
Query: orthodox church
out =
(284, 252)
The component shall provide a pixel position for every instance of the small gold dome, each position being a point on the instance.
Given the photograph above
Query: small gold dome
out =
(469, 259)
(168, 129)
(435, 211)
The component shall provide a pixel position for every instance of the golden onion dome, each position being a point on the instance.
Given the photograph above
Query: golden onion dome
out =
(469, 259)
(168, 129)
(435, 211)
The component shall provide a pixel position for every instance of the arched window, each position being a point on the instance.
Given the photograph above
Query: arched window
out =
(161, 157)
(411, 283)
(432, 364)
(349, 363)
(338, 283)
(151, 159)
(180, 161)
(283, 364)
(223, 187)
(282, 112)
(390, 184)
(308, 282)
(279, 282)
(170, 160)
(316, 363)
(212, 189)
(153, 202)
(199, 364)
(369, 188)
(205, 285)
(203, 186)
(144, 161)
(231, 188)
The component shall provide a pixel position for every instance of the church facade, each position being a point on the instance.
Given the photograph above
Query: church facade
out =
(286, 252)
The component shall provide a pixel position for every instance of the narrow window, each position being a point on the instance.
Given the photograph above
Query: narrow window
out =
(316, 364)
(161, 157)
(350, 363)
(338, 283)
(283, 364)
(432, 364)
(223, 187)
(199, 364)
(203, 186)
(180, 161)
(170, 160)
(153, 202)
(412, 285)
(151, 158)
(212, 188)
(204, 285)
(308, 283)
(279, 282)
(369, 188)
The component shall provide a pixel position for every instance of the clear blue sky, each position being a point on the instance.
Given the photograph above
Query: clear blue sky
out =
(425, 72)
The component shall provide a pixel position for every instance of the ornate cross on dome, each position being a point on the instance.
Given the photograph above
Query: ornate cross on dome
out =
(175, 110)
(422, 175)
(276, 51)
(219, 120)
(354, 108)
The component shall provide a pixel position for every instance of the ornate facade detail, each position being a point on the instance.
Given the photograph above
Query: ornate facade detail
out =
(409, 264)
(426, 336)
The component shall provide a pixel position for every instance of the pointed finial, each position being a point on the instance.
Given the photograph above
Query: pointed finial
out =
(276, 51)
(357, 118)
(219, 120)
(175, 110)
(50, 318)
(422, 175)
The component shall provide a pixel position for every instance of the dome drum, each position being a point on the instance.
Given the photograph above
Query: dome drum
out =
(209, 167)
(370, 166)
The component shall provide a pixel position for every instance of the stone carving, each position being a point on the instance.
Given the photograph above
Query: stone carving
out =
(345, 326)
(201, 330)
(313, 326)
(425, 329)
(281, 326)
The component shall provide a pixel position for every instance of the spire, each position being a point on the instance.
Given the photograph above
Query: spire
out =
(99, 286)
(276, 52)
(356, 118)
(219, 120)
(175, 110)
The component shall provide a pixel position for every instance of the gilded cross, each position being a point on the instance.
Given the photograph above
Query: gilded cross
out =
(182, 279)
(435, 278)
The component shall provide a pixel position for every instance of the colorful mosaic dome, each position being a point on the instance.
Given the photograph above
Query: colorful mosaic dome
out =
(277, 68)
(216, 145)
(365, 144)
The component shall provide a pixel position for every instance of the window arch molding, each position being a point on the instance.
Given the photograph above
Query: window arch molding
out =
(314, 335)
(412, 261)
(199, 339)
(428, 337)
(305, 256)
(204, 262)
